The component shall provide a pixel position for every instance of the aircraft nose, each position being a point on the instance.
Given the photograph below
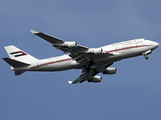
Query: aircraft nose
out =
(156, 44)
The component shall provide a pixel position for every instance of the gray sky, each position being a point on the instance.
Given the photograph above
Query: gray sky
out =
(133, 93)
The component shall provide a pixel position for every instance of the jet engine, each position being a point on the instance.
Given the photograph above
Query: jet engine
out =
(70, 44)
(96, 79)
(110, 71)
(96, 51)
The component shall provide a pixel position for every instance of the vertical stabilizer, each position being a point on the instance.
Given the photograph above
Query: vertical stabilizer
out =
(19, 55)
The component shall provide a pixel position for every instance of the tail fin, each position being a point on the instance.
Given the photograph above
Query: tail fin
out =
(19, 55)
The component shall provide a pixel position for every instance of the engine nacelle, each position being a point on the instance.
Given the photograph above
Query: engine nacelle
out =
(70, 44)
(110, 71)
(96, 51)
(96, 79)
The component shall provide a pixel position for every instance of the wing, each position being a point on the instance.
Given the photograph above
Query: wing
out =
(85, 76)
(65, 46)
(88, 76)
(78, 80)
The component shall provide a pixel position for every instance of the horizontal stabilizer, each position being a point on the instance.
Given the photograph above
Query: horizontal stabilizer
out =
(19, 72)
(15, 63)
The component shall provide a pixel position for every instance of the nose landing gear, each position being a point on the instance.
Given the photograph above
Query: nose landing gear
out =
(147, 53)
(145, 56)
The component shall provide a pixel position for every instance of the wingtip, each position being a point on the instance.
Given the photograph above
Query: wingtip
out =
(70, 82)
(33, 32)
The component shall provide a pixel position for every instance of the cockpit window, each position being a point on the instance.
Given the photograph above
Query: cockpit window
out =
(145, 39)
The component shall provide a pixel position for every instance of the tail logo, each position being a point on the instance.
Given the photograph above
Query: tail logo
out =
(18, 53)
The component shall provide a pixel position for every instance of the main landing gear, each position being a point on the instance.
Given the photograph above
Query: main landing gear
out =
(90, 64)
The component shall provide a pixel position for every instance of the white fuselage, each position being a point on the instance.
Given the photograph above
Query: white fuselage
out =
(121, 50)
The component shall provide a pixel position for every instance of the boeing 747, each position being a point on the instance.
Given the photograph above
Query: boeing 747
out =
(91, 60)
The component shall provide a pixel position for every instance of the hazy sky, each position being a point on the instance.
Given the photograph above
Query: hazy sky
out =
(134, 93)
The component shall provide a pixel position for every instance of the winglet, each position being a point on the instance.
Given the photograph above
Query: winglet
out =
(70, 82)
(33, 32)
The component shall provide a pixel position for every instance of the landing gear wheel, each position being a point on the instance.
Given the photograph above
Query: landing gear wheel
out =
(145, 56)
(87, 67)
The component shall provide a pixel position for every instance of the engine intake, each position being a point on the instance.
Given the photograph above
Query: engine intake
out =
(96, 51)
(70, 44)
(110, 71)
(96, 79)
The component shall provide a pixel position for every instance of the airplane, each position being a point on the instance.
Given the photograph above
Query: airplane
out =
(91, 60)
